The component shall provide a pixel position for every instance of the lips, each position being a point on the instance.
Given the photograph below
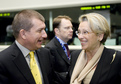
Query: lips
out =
(40, 41)
(70, 34)
(83, 42)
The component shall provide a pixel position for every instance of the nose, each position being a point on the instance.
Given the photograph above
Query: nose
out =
(44, 34)
(72, 29)
(80, 35)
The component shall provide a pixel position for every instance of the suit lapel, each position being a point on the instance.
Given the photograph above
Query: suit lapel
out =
(41, 62)
(61, 51)
(22, 65)
(102, 67)
(42, 59)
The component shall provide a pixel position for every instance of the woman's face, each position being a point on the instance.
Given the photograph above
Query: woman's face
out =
(88, 39)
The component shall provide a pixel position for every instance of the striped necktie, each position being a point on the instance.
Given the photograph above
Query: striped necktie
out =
(68, 52)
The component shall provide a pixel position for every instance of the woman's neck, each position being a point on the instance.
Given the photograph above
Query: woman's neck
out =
(91, 53)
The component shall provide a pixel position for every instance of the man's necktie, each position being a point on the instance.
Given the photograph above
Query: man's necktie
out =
(34, 69)
(68, 52)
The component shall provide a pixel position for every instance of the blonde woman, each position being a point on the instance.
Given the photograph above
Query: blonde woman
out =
(94, 64)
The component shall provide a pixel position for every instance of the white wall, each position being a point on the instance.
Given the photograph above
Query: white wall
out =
(71, 47)
(14, 5)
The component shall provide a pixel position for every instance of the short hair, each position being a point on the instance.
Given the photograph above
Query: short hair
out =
(23, 20)
(97, 23)
(57, 20)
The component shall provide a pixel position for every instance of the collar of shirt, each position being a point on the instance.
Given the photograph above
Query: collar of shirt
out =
(62, 44)
(24, 50)
(61, 41)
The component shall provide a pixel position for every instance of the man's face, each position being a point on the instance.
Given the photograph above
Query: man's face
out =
(65, 31)
(36, 35)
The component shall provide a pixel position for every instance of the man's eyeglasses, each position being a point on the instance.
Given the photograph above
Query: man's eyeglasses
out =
(83, 33)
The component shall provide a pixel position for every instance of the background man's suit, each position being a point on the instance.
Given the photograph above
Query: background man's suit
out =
(60, 60)
(107, 71)
(15, 70)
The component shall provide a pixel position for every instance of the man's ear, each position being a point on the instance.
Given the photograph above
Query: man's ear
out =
(22, 33)
(56, 30)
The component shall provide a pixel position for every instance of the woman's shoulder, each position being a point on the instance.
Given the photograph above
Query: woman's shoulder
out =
(112, 51)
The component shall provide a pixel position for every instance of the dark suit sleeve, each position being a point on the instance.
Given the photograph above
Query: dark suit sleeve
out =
(3, 75)
(55, 77)
(47, 66)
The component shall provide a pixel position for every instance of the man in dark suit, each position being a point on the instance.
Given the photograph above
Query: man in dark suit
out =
(62, 27)
(29, 32)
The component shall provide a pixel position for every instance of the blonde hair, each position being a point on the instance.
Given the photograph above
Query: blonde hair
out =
(97, 23)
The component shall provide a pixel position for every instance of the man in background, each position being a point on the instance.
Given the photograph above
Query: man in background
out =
(58, 46)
